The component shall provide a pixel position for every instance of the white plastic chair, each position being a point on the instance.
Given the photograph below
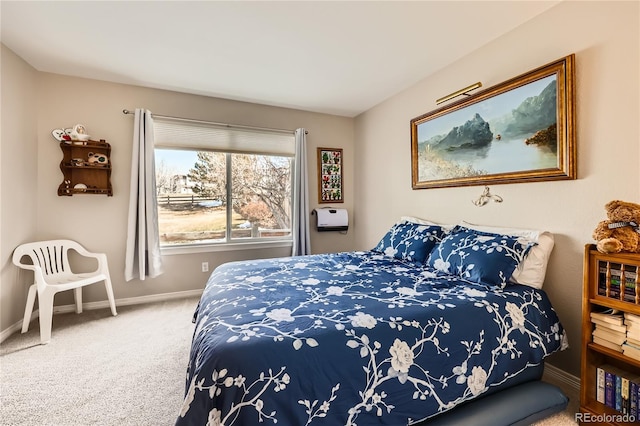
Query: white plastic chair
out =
(52, 274)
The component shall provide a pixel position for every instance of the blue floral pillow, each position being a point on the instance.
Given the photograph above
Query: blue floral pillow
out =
(410, 241)
(479, 256)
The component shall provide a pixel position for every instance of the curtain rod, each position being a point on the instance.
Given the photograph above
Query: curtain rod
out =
(236, 126)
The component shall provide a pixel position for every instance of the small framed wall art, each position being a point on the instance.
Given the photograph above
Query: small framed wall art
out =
(330, 175)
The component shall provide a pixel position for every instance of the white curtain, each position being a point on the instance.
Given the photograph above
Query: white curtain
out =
(143, 245)
(300, 228)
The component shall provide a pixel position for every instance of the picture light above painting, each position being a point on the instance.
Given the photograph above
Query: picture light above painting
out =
(521, 130)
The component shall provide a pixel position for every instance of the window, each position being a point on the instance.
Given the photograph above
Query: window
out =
(220, 185)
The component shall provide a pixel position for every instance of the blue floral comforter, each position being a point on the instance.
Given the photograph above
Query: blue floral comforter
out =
(355, 338)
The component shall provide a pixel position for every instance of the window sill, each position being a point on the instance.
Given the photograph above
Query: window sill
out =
(205, 248)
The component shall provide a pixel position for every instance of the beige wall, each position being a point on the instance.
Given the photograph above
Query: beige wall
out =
(18, 178)
(605, 38)
(99, 222)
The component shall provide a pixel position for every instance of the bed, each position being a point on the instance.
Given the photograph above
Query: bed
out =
(430, 319)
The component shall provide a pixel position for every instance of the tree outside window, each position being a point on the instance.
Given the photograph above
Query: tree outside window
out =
(256, 206)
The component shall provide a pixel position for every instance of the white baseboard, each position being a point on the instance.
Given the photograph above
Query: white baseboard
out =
(560, 376)
(4, 335)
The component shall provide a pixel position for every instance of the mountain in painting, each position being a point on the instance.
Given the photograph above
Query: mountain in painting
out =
(474, 133)
(533, 114)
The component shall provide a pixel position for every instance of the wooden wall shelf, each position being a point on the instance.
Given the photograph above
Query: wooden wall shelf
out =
(77, 170)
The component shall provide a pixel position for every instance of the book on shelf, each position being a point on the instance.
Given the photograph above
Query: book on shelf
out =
(633, 342)
(609, 386)
(622, 393)
(614, 292)
(616, 273)
(614, 337)
(600, 384)
(630, 392)
(631, 318)
(609, 326)
(633, 399)
(633, 326)
(619, 389)
(614, 284)
(611, 316)
(631, 351)
(607, 344)
(633, 333)
(625, 391)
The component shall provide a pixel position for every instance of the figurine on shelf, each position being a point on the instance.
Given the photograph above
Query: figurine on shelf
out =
(61, 135)
(97, 159)
(79, 133)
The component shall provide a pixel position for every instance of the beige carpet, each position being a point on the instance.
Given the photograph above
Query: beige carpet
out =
(99, 369)
(105, 370)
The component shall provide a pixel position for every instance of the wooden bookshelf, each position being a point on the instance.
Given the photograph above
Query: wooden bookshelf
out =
(603, 287)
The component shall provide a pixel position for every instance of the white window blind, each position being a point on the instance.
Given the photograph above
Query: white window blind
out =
(186, 134)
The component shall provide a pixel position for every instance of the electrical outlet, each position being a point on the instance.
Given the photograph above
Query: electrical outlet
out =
(205, 266)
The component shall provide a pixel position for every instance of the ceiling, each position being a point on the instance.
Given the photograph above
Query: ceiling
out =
(336, 57)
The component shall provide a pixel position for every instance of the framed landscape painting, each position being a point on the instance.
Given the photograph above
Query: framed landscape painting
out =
(519, 131)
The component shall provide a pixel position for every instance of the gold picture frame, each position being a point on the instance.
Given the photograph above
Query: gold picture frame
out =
(330, 164)
(522, 130)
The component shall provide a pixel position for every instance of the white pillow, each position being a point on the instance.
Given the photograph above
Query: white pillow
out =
(533, 269)
(419, 221)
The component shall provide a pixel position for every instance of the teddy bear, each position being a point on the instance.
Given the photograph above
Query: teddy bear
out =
(621, 231)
